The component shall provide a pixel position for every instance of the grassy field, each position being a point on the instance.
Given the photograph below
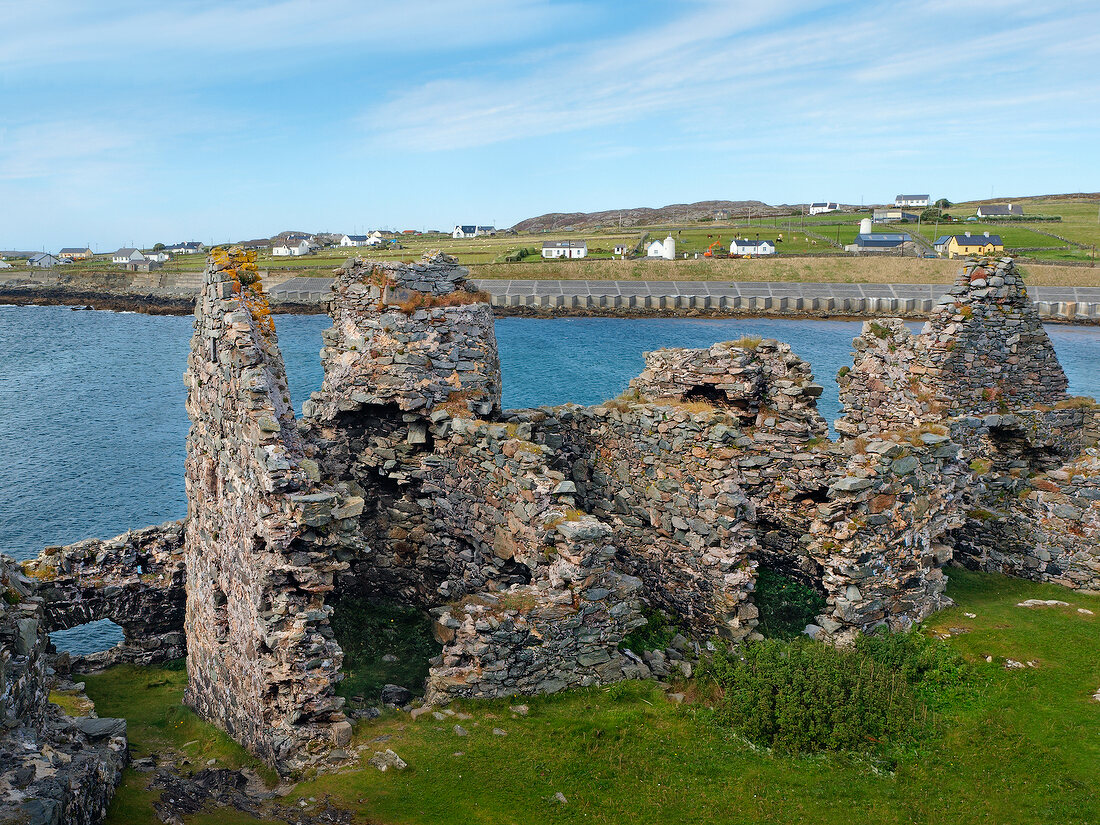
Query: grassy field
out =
(1024, 747)
(887, 269)
(801, 234)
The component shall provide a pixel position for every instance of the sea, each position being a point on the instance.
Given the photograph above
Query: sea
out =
(92, 419)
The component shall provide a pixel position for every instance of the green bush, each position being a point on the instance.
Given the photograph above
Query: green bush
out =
(655, 634)
(802, 696)
(785, 605)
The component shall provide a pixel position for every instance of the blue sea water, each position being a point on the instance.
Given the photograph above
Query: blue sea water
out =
(92, 422)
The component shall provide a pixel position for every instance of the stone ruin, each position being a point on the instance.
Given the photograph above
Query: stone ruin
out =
(536, 539)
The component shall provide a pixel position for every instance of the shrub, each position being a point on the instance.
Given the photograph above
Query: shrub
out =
(879, 331)
(802, 696)
(786, 606)
(656, 634)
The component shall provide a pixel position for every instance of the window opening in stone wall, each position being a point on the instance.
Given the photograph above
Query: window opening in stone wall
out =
(788, 599)
(88, 638)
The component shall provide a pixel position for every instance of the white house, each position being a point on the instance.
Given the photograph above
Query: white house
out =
(127, 255)
(565, 249)
(920, 201)
(285, 248)
(465, 231)
(742, 247)
(821, 208)
(662, 249)
(621, 249)
(353, 240)
(45, 259)
(157, 257)
(375, 239)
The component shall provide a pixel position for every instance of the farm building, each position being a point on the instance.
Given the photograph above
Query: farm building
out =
(743, 247)
(565, 249)
(893, 215)
(919, 201)
(1000, 210)
(940, 244)
(823, 207)
(288, 247)
(74, 253)
(621, 249)
(967, 244)
(662, 249)
(879, 242)
(126, 255)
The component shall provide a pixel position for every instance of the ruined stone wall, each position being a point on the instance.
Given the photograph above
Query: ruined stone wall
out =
(698, 498)
(561, 630)
(136, 580)
(262, 661)
(53, 769)
(983, 351)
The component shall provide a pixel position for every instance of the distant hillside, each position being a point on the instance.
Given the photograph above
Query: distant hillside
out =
(1074, 196)
(644, 215)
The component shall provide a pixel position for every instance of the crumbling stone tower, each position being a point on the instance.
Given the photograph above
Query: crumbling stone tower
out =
(262, 663)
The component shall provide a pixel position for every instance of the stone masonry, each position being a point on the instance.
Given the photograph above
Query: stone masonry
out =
(536, 538)
(136, 580)
(53, 768)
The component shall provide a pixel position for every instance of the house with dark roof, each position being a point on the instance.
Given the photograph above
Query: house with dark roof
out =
(354, 240)
(127, 255)
(919, 201)
(822, 207)
(565, 249)
(75, 253)
(464, 231)
(967, 244)
(1000, 210)
(185, 248)
(879, 242)
(759, 247)
(45, 260)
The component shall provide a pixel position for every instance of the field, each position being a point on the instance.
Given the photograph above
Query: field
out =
(1023, 746)
(822, 236)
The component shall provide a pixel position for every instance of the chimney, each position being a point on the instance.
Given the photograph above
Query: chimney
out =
(968, 234)
(987, 233)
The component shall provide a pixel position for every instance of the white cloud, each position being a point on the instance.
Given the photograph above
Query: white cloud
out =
(203, 34)
(745, 67)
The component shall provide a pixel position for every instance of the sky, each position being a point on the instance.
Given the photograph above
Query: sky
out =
(125, 122)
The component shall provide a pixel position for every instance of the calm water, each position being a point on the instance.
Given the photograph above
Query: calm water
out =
(92, 423)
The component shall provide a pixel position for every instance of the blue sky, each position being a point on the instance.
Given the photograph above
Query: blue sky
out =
(129, 121)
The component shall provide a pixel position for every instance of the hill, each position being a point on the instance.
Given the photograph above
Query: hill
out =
(646, 216)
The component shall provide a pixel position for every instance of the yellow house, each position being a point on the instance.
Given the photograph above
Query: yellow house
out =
(985, 244)
(74, 253)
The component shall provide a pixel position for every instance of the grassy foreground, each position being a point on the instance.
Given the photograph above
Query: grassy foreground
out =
(1024, 749)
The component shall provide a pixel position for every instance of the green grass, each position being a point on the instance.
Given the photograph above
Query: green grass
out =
(1023, 747)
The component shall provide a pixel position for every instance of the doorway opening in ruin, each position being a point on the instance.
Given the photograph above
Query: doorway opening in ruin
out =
(385, 643)
(789, 593)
